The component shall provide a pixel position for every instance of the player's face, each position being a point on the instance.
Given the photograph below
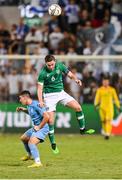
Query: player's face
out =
(23, 100)
(105, 82)
(51, 65)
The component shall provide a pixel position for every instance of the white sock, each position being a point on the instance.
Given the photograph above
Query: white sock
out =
(37, 160)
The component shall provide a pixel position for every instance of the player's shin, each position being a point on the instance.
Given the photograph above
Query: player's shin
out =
(81, 119)
(35, 153)
(51, 134)
(108, 127)
(52, 139)
(27, 148)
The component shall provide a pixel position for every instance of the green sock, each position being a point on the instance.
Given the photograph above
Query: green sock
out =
(81, 119)
(51, 134)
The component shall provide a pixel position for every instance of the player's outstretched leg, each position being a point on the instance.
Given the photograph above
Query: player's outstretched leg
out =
(81, 121)
(80, 117)
(35, 154)
(25, 140)
(52, 139)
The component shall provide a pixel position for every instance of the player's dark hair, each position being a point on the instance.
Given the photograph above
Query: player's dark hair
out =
(106, 77)
(25, 92)
(49, 58)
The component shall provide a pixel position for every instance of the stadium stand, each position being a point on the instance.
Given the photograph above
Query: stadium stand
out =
(92, 27)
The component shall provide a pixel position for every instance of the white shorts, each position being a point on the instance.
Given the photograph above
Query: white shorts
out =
(51, 100)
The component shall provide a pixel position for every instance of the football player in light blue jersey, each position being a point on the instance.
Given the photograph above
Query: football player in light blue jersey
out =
(33, 136)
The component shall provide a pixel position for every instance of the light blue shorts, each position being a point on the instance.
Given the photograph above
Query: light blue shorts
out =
(41, 134)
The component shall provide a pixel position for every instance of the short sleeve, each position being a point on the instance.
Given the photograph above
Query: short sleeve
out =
(63, 68)
(41, 78)
(40, 110)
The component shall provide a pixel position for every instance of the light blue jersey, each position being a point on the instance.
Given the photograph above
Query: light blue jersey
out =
(36, 114)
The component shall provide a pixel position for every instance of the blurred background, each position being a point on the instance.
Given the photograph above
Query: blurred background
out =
(87, 37)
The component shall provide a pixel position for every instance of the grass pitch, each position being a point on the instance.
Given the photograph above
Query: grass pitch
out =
(81, 157)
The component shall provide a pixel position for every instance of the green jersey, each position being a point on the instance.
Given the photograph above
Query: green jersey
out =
(52, 80)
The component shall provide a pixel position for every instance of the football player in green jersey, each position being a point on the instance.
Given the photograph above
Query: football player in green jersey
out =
(50, 90)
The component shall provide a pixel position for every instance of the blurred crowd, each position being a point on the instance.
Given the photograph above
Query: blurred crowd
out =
(85, 27)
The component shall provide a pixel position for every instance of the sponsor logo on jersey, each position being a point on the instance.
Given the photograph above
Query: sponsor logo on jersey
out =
(48, 75)
(58, 71)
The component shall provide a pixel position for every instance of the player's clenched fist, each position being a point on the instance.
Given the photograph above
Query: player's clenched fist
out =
(20, 109)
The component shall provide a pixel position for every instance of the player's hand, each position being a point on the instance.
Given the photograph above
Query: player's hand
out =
(20, 109)
(96, 107)
(41, 104)
(119, 110)
(36, 128)
(78, 81)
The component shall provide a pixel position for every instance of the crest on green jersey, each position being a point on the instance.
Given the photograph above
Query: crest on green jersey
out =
(53, 78)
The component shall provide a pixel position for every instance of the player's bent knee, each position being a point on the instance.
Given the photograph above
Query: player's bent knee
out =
(22, 138)
(33, 140)
(78, 108)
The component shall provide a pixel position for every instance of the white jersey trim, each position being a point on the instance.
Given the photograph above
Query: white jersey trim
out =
(40, 83)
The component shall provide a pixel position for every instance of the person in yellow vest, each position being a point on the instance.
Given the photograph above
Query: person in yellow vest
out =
(105, 99)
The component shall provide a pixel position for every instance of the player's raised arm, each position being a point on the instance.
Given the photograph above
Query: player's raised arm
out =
(72, 76)
(18, 109)
(39, 94)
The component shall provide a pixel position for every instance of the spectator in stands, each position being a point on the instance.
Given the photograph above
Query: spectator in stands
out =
(85, 5)
(13, 32)
(28, 80)
(55, 38)
(34, 35)
(101, 9)
(3, 50)
(74, 90)
(33, 86)
(84, 16)
(72, 12)
(116, 9)
(69, 40)
(22, 30)
(71, 51)
(13, 80)
(119, 88)
(63, 21)
(4, 35)
(53, 23)
(89, 83)
(42, 49)
(45, 34)
(32, 39)
(3, 86)
(87, 48)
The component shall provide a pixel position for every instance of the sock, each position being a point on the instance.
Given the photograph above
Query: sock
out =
(34, 152)
(51, 134)
(104, 126)
(81, 119)
(27, 148)
(108, 127)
